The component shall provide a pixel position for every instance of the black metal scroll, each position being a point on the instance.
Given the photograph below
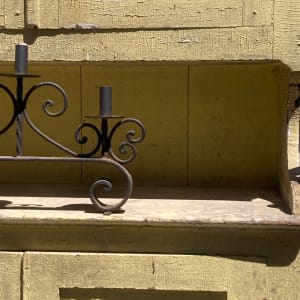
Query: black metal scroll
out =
(102, 152)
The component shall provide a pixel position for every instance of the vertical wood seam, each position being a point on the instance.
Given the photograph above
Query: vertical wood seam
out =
(187, 125)
(243, 14)
(22, 277)
(81, 116)
(273, 25)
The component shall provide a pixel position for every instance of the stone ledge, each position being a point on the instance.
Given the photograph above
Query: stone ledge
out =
(149, 206)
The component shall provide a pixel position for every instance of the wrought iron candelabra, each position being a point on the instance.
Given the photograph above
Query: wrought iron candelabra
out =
(102, 152)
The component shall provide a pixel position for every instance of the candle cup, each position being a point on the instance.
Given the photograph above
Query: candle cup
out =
(21, 58)
(106, 101)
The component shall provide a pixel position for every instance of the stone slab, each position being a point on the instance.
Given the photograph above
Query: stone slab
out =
(168, 206)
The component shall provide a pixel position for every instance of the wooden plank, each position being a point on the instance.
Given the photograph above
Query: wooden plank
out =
(140, 14)
(246, 278)
(13, 14)
(258, 13)
(283, 281)
(10, 275)
(148, 273)
(149, 14)
(32, 13)
(233, 124)
(2, 13)
(193, 44)
(157, 95)
(132, 14)
(285, 104)
(287, 33)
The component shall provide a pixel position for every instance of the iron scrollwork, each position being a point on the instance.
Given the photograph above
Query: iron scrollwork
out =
(102, 147)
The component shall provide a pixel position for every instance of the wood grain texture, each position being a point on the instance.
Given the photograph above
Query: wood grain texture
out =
(150, 30)
(150, 14)
(190, 44)
(233, 124)
(2, 13)
(285, 286)
(155, 30)
(141, 14)
(282, 141)
(191, 113)
(258, 12)
(11, 14)
(32, 14)
(157, 95)
(287, 33)
(143, 272)
(10, 275)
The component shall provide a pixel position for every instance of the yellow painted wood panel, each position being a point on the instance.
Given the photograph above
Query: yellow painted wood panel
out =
(60, 128)
(231, 136)
(156, 95)
(233, 124)
(224, 276)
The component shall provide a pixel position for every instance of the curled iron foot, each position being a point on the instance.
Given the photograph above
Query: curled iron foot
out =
(107, 185)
